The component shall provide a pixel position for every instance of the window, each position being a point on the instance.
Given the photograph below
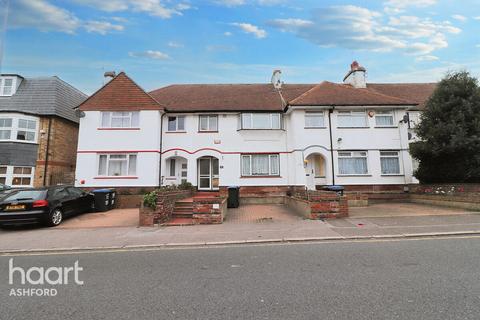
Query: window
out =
(120, 119)
(261, 121)
(3, 174)
(7, 86)
(5, 128)
(352, 119)
(26, 130)
(114, 165)
(22, 176)
(352, 163)
(390, 162)
(314, 120)
(208, 123)
(176, 123)
(172, 167)
(384, 118)
(260, 165)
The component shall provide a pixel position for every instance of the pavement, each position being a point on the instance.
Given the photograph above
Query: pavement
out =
(362, 280)
(267, 225)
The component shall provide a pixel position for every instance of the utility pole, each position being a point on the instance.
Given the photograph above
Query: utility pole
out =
(4, 6)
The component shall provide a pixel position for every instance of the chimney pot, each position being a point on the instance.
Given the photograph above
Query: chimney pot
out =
(354, 66)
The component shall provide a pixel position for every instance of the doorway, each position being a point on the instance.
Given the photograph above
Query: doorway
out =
(208, 174)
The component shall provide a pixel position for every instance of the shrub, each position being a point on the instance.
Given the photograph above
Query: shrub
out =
(150, 199)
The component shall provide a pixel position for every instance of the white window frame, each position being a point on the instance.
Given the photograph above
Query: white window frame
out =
(15, 129)
(27, 130)
(212, 123)
(12, 88)
(389, 154)
(9, 129)
(315, 114)
(176, 129)
(247, 121)
(271, 157)
(131, 118)
(385, 113)
(352, 113)
(353, 155)
(130, 172)
(9, 175)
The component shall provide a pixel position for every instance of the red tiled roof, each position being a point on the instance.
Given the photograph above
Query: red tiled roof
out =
(418, 92)
(120, 94)
(334, 94)
(226, 97)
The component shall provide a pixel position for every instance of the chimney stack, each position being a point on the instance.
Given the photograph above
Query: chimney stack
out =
(109, 75)
(356, 77)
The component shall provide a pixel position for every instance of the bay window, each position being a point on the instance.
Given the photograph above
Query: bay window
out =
(352, 119)
(260, 165)
(208, 123)
(114, 165)
(352, 163)
(314, 120)
(120, 119)
(176, 123)
(26, 130)
(18, 128)
(384, 118)
(5, 128)
(390, 162)
(266, 121)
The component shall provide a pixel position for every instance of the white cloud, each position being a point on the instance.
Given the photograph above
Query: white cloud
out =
(478, 45)
(159, 8)
(358, 28)
(250, 28)
(227, 34)
(426, 58)
(102, 27)
(152, 54)
(399, 6)
(459, 17)
(476, 18)
(174, 44)
(236, 3)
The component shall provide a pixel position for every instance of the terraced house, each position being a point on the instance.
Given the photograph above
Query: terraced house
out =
(38, 130)
(256, 136)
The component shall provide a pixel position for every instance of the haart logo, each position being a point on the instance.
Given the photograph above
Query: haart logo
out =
(40, 276)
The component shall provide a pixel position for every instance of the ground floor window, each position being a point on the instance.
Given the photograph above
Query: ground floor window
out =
(260, 165)
(352, 163)
(117, 165)
(17, 176)
(390, 162)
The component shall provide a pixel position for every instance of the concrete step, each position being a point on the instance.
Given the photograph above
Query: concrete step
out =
(182, 215)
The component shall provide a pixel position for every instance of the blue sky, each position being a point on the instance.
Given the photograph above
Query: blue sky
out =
(160, 42)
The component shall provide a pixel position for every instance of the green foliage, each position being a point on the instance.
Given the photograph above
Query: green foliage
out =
(150, 199)
(449, 150)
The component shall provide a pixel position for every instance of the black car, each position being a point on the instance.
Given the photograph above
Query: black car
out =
(47, 205)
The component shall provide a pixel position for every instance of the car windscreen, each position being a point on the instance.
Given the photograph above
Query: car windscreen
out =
(25, 195)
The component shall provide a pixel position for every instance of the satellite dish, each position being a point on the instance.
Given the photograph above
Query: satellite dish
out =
(276, 79)
(79, 113)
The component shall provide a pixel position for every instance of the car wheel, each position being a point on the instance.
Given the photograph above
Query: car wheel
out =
(55, 217)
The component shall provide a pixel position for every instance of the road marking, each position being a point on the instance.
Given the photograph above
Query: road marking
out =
(239, 245)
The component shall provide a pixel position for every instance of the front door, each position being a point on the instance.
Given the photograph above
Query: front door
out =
(208, 177)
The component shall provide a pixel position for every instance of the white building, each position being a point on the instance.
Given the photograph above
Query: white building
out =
(249, 135)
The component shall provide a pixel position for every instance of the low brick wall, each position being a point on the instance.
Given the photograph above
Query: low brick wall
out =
(209, 210)
(462, 196)
(319, 204)
(165, 205)
(357, 199)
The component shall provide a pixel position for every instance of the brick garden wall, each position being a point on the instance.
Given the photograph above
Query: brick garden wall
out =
(318, 204)
(209, 210)
(464, 196)
(165, 205)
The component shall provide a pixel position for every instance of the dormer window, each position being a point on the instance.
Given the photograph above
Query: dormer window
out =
(7, 86)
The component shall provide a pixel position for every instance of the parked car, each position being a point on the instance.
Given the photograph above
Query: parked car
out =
(49, 205)
(4, 187)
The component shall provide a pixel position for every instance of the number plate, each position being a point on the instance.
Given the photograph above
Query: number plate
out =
(15, 207)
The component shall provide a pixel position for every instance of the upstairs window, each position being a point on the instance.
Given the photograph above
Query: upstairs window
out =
(120, 119)
(352, 119)
(26, 130)
(384, 118)
(208, 123)
(352, 163)
(260, 165)
(390, 162)
(7, 87)
(176, 123)
(266, 121)
(314, 120)
(114, 165)
(5, 128)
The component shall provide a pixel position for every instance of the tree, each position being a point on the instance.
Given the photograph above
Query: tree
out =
(449, 150)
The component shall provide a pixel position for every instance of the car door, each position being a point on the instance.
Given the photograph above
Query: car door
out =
(65, 200)
(81, 199)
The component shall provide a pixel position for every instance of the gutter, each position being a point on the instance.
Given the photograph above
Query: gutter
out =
(161, 145)
(45, 168)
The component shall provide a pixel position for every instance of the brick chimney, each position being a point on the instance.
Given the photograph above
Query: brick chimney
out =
(356, 77)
